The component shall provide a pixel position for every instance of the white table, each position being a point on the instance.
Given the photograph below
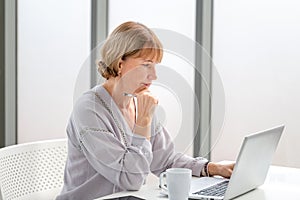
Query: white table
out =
(281, 183)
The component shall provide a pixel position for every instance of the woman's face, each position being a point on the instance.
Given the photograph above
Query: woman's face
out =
(137, 74)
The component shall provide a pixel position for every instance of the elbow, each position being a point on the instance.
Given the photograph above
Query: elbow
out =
(135, 187)
(133, 181)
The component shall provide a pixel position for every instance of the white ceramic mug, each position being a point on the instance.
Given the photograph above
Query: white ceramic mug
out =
(178, 183)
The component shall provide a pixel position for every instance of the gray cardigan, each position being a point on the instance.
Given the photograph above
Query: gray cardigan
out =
(105, 156)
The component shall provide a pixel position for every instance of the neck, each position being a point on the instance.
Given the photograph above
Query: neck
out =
(116, 91)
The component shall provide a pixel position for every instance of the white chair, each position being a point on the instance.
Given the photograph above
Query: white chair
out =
(33, 170)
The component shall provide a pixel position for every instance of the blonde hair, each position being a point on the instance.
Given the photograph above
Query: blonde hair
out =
(130, 39)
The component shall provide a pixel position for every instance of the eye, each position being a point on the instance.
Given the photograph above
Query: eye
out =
(146, 65)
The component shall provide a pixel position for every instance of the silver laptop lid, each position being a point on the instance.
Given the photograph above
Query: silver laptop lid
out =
(253, 161)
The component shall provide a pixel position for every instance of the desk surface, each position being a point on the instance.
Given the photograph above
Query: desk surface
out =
(281, 183)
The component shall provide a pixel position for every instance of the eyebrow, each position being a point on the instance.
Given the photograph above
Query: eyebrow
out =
(148, 61)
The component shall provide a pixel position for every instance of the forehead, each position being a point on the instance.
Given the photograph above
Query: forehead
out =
(151, 54)
(141, 59)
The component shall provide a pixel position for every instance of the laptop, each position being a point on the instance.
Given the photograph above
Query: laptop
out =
(250, 170)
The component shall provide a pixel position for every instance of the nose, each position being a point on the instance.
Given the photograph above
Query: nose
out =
(152, 74)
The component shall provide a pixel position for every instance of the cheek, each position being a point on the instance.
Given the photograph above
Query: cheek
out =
(133, 79)
(138, 73)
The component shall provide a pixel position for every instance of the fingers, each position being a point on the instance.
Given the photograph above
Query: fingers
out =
(230, 169)
(221, 169)
(146, 95)
(141, 90)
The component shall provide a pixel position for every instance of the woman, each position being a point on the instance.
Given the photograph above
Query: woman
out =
(114, 140)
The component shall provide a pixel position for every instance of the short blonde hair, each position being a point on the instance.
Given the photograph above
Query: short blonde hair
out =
(130, 39)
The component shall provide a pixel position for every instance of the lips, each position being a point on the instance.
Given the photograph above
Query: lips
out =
(146, 84)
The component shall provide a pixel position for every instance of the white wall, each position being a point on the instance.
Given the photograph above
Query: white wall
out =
(177, 16)
(256, 51)
(53, 42)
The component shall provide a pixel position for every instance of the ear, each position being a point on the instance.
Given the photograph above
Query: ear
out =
(121, 62)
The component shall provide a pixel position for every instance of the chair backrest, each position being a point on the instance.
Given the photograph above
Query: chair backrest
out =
(33, 170)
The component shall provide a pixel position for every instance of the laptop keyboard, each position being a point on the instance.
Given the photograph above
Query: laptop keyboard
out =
(217, 190)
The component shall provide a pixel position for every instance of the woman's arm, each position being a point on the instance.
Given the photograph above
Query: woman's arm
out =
(164, 155)
(124, 166)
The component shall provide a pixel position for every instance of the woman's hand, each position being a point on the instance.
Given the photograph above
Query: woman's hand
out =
(220, 169)
(146, 104)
